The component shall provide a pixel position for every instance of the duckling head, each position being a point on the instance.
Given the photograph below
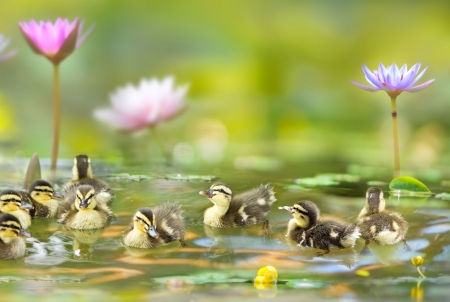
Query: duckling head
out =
(85, 198)
(144, 221)
(11, 201)
(305, 212)
(82, 167)
(375, 202)
(41, 191)
(10, 228)
(219, 194)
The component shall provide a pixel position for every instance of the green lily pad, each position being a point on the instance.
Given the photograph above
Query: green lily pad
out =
(306, 284)
(315, 182)
(125, 177)
(443, 196)
(408, 186)
(191, 177)
(295, 188)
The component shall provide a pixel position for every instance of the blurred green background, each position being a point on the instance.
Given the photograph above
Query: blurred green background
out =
(269, 80)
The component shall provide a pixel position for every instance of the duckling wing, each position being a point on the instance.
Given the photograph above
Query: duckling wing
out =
(169, 221)
(331, 232)
(254, 205)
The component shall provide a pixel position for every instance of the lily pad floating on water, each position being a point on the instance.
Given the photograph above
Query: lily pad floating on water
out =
(191, 177)
(315, 182)
(125, 177)
(408, 186)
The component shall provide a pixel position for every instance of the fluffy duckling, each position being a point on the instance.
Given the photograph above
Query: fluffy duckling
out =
(12, 245)
(379, 225)
(12, 202)
(82, 175)
(307, 228)
(40, 195)
(81, 210)
(157, 226)
(247, 208)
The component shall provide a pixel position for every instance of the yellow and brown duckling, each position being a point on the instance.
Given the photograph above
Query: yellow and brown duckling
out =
(156, 226)
(379, 225)
(40, 195)
(248, 208)
(12, 243)
(307, 228)
(82, 175)
(81, 210)
(11, 202)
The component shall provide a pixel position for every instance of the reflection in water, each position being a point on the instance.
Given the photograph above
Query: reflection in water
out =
(84, 241)
(51, 252)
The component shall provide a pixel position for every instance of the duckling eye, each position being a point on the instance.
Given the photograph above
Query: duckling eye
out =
(222, 191)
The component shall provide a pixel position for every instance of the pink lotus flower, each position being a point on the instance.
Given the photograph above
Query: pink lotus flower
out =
(151, 103)
(54, 41)
(3, 44)
(393, 80)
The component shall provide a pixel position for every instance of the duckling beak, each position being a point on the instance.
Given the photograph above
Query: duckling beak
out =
(24, 205)
(152, 232)
(84, 204)
(24, 233)
(286, 208)
(207, 193)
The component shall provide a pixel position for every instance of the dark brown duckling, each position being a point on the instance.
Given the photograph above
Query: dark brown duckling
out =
(248, 208)
(82, 175)
(12, 243)
(80, 209)
(154, 227)
(379, 225)
(307, 228)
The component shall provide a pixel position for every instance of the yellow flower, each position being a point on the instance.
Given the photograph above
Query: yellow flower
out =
(417, 261)
(267, 274)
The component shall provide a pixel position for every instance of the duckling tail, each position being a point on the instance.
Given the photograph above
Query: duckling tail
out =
(349, 235)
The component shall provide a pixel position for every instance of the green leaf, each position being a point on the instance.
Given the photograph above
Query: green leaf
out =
(443, 196)
(408, 186)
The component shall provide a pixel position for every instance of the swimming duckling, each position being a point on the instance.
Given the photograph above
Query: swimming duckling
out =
(82, 175)
(80, 209)
(307, 228)
(379, 225)
(12, 202)
(12, 245)
(40, 194)
(247, 208)
(157, 226)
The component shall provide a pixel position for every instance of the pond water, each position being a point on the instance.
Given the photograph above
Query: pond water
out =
(220, 265)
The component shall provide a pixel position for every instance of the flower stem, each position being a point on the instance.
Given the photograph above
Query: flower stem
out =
(56, 115)
(161, 144)
(420, 273)
(395, 133)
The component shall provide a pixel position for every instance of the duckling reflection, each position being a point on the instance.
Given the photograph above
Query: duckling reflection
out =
(12, 202)
(248, 208)
(379, 225)
(82, 175)
(84, 242)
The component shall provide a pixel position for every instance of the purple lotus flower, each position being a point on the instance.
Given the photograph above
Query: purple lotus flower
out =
(150, 103)
(54, 41)
(393, 80)
(3, 44)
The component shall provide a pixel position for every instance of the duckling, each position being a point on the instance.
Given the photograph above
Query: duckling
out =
(12, 202)
(307, 228)
(154, 227)
(81, 210)
(82, 175)
(12, 245)
(40, 195)
(247, 208)
(379, 225)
